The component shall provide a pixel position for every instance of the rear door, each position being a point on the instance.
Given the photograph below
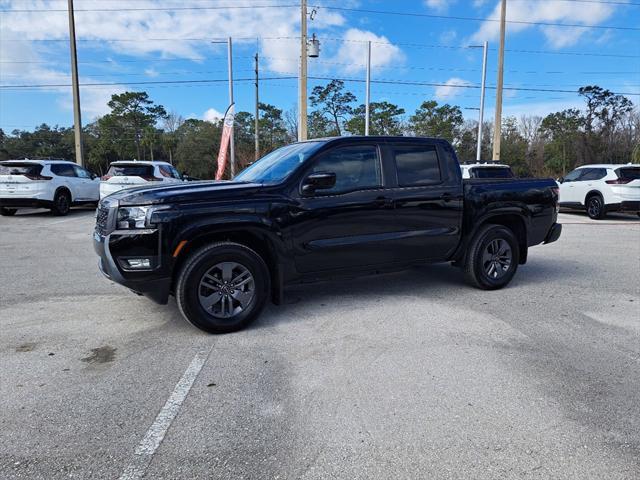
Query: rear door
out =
(588, 182)
(428, 200)
(67, 176)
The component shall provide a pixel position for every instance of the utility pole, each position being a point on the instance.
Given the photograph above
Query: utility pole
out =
(77, 120)
(367, 114)
(257, 116)
(232, 151)
(485, 49)
(302, 101)
(497, 127)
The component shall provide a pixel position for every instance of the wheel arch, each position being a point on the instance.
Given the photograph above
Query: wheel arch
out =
(513, 221)
(591, 193)
(256, 239)
(63, 188)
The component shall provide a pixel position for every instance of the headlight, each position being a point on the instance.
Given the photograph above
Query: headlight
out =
(133, 217)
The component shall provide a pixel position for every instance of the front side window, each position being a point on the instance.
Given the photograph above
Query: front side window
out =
(573, 176)
(168, 171)
(356, 168)
(82, 173)
(417, 165)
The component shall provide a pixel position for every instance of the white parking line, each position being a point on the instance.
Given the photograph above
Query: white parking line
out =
(145, 450)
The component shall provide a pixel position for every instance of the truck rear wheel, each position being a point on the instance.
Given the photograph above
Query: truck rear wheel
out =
(222, 287)
(493, 257)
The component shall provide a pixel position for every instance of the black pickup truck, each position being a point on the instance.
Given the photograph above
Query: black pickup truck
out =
(318, 210)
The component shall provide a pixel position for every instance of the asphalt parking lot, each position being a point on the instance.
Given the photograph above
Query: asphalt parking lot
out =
(410, 375)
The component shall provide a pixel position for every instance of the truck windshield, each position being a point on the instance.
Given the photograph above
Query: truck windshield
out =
(279, 164)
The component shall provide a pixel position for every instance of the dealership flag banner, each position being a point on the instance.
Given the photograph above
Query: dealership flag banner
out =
(227, 130)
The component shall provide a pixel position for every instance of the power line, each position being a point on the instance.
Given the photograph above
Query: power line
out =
(342, 9)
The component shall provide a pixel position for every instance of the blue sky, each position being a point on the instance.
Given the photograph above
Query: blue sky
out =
(150, 41)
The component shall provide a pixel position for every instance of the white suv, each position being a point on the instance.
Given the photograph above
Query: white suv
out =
(486, 170)
(127, 174)
(53, 184)
(599, 189)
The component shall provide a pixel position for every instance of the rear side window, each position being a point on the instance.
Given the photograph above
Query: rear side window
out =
(416, 165)
(632, 173)
(12, 168)
(593, 174)
(63, 170)
(130, 170)
(491, 172)
(356, 168)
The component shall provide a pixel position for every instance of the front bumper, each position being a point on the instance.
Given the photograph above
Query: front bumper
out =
(151, 283)
(554, 233)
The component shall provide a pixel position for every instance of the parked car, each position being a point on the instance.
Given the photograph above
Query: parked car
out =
(132, 173)
(315, 210)
(599, 189)
(53, 184)
(486, 170)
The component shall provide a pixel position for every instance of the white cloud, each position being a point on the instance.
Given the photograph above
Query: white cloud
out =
(451, 89)
(353, 51)
(535, 11)
(439, 5)
(448, 37)
(212, 115)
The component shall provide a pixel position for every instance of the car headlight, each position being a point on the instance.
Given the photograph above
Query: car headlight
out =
(133, 217)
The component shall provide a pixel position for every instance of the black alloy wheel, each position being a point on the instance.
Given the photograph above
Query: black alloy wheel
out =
(595, 207)
(493, 257)
(61, 203)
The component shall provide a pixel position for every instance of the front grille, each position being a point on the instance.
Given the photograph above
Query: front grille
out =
(102, 220)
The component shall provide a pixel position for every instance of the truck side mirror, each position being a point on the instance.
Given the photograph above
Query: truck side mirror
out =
(318, 181)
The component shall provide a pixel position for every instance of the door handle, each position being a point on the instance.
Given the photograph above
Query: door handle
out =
(447, 197)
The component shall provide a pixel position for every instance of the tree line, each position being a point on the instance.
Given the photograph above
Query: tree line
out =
(607, 130)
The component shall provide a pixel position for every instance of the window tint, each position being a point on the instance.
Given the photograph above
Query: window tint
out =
(573, 176)
(13, 168)
(416, 164)
(491, 172)
(63, 169)
(356, 168)
(82, 173)
(593, 174)
(632, 173)
(130, 170)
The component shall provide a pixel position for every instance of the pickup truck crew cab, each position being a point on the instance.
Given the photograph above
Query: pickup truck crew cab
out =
(318, 210)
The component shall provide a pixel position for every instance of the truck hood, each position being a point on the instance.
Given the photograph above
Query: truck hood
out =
(176, 193)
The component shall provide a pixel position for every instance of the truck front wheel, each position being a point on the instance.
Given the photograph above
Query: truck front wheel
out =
(222, 287)
(493, 257)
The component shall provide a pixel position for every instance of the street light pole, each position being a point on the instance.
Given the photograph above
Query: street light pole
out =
(497, 127)
(367, 114)
(257, 115)
(482, 92)
(77, 120)
(302, 101)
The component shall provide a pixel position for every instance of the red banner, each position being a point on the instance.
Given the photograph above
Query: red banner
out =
(227, 129)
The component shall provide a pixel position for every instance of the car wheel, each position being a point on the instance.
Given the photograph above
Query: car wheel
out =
(61, 203)
(8, 212)
(222, 287)
(492, 258)
(595, 207)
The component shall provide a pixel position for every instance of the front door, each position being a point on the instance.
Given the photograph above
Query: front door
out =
(349, 225)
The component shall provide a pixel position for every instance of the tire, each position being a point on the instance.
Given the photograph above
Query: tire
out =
(61, 203)
(595, 207)
(483, 254)
(213, 306)
(8, 212)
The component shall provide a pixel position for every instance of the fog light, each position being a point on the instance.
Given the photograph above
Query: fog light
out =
(139, 262)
